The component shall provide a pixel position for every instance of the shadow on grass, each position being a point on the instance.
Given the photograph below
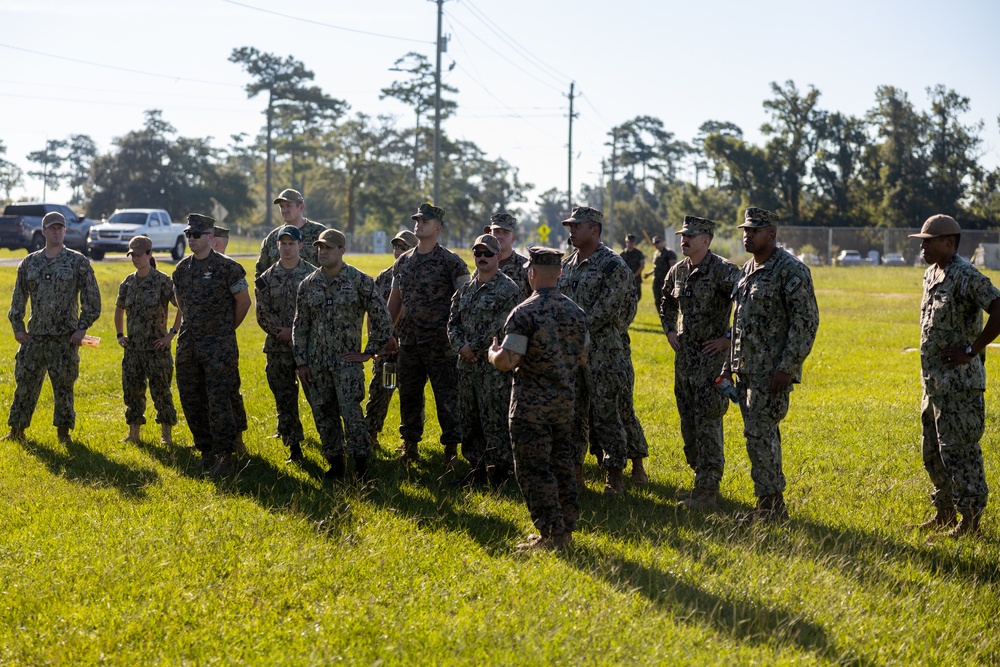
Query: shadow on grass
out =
(82, 464)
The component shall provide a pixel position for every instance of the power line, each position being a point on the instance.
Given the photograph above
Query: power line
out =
(110, 103)
(326, 25)
(594, 109)
(112, 90)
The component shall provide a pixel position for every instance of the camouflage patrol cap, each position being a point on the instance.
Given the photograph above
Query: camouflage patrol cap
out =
(406, 238)
(290, 230)
(585, 214)
(489, 242)
(53, 218)
(938, 225)
(759, 217)
(503, 221)
(331, 238)
(140, 245)
(428, 211)
(538, 256)
(198, 222)
(694, 226)
(221, 232)
(290, 196)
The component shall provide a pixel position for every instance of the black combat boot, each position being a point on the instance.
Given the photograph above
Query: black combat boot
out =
(336, 471)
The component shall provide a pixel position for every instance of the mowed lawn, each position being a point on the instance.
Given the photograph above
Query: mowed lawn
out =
(124, 554)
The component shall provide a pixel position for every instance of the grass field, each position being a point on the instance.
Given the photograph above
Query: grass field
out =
(123, 554)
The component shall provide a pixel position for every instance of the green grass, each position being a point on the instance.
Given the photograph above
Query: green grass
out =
(122, 554)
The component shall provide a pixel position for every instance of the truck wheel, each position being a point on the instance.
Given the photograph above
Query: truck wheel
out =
(177, 252)
(37, 242)
(96, 255)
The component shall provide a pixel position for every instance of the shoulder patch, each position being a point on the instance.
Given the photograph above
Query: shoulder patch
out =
(609, 268)
(793, 284)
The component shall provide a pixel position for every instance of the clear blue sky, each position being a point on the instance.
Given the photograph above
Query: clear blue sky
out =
(514, 59)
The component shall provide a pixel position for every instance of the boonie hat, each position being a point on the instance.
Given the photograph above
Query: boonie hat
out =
(694, 226)
(428, 211)
(406, 238)
(938, 225)
(290, 196)
(503, 221)
(139, 245)
(331, 238)
(489, 242)
(585, 214)
(758, 217)
(53, 218)
(290, 230)
(199, 222)
(540, 256)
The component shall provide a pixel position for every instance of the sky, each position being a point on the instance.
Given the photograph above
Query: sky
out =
(94, 66)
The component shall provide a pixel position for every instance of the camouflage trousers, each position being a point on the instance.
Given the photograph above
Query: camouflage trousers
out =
(484, 399)
(701, 408)
(953, 425)
(762, 414)
(417, 364)
(335, 396)
(208, 378)
(283, 380)
(156, 367)
(378, 396)
(598, 408)
(61, 360)
(638, 447)
(545, 463)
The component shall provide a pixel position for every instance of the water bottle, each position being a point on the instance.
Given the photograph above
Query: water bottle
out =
(91, 341)
(388, 375)
(727, 389)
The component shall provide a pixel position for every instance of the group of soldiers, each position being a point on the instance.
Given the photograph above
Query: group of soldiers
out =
(529, 358)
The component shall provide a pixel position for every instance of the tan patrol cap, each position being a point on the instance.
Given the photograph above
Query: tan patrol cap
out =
(938, 225)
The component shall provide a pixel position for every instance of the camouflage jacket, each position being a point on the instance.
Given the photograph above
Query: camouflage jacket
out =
(550, 332)
(514, 269)
(53, 286)
(662, 261)
(951, 315)
(146, 302)
(776, 318)
(478, 312)
(603, 287)
(276, 291)
(269, 254)
(383, 283)
(426, 284)
(697, 301)
(329, 316)
(206, 292)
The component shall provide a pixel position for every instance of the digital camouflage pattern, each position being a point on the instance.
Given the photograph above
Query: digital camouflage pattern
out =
(513, 267)
(635, 435)
(696, 304)
(379, 397)
(762, 413)
(64, 297)
(269, 254)
(478, 313)
(146, 302)
(952, 426)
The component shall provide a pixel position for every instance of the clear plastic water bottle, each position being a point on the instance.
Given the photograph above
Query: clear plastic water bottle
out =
(389, 375)
(727, 389)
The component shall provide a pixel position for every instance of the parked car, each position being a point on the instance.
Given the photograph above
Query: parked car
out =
(894, 259)
(21, 226)
(114, 234)
(809, 259)
(849, 258)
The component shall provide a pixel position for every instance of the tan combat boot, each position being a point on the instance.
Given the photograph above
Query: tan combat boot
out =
(15, 434)
(944, 519)
(450, 457)
(62, 433)
(639, 476)
(240, 447)
(166, 434)
(133, 433)
(700, 500)
(408, 452)
(614, 484)
(969, 525)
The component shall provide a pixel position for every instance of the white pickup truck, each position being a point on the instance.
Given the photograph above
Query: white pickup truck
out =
(114, 234)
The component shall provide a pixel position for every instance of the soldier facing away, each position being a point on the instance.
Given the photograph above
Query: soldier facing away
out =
(293, 206)
(504, 227)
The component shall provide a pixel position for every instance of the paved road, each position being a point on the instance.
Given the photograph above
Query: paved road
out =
(118, 259)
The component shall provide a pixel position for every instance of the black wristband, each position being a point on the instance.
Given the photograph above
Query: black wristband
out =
(121, 335)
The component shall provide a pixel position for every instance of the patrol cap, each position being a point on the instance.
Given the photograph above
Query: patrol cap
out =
(331, 238)
(585, 214)
(428, 211)
(53, 218)
(489, 242)
(503, 221)
(139, 245)
(539, 256)
(758, 217)
(290, 196)
(694, 226)
(221, 232)
(937, 225)
(405, 238)
(198, 222)
(292, 231)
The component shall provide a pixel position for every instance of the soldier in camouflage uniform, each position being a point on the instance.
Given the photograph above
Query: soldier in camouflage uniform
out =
(774, 326)
(504, 227)
(545, 342)
(330, 311)
(423, 282)
(53, 278)
(663, 259)
(145, 297)
(276, 291)
(221, 240)
(952, 343)
(635, 261)
(293, 206)
(598, 281)
(378, 395)
(478, 311)
(694, 312)
(213, 295)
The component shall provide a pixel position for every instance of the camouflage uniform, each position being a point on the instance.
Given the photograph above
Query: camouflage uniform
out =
(328, 319)
(550, 332)
(208, 357)
(378, 396)
(774, 326)
(953, 409)
(269, 254)
(513, 267)
(603, 287)
(53, 286)
(633, 260)
(697, 301)
(662, 261)
(145, 302)
(478, 312)
(276, 291)
(426, 283)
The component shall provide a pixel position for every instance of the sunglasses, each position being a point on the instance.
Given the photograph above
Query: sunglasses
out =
(482, 253)
(194, 235)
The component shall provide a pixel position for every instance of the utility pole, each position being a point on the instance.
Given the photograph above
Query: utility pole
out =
(569, 170)
(441, 46)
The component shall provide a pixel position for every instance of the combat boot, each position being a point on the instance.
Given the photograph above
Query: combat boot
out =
(581, 482)
(336, 471)
(62, 433)
(450, 457)
(408, 452)
(944, 519)
(240, 447)
(166, 434)
(639, 476)
(16, 434)
(700, 500)
(969, 525)
(614, 484)
(373, 436)
(770, 509)
(133, 433)
(361, 467)
(223, 466)
(294, 453)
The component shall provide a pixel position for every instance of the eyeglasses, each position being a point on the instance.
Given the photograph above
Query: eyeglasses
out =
(483, 253)
(194, 235)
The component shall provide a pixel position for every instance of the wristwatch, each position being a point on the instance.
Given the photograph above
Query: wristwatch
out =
(968, 351)
(172, 331)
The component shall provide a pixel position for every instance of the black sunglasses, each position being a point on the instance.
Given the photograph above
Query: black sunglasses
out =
(483, 253)
(193, 235)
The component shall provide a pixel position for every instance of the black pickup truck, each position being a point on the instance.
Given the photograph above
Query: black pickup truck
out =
(21, 226)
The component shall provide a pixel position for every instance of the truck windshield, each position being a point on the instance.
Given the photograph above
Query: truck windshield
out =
(29, 211)
(128, 218)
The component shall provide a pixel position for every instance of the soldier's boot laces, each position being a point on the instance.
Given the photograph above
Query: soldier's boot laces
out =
(638, 472)
(614, 484)
(63, 434)
(969, 525)
(16, 434)
(133, 433)
(945, 518)
(336, 471)
(408, 452)
(166, 434)
(700, 499)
